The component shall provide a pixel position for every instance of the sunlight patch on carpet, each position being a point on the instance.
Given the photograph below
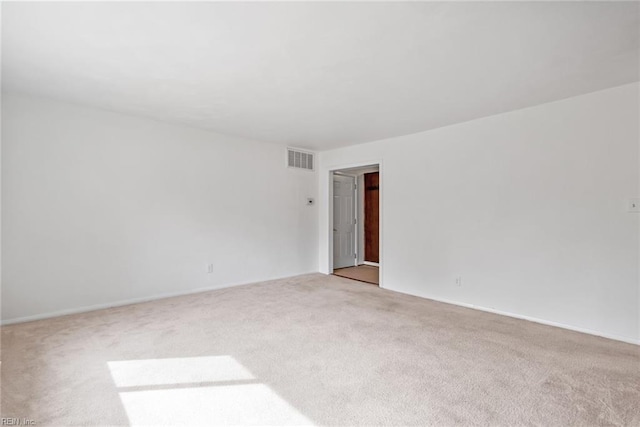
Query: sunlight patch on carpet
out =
(132, 373)
(212, 390)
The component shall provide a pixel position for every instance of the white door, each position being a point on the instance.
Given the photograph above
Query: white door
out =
(344, 221)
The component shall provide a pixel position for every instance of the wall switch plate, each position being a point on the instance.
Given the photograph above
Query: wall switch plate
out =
(634, 205)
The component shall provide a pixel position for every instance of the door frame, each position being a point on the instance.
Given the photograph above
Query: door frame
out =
(326, 227)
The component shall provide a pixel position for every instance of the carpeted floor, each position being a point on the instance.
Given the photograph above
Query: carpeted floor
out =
(363, 273)
(312, 350)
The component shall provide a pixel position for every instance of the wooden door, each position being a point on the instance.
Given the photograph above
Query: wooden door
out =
(371, 216)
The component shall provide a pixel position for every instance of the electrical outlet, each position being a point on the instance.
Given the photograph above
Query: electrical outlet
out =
(459, 281)
(634, 205)
(210, 268)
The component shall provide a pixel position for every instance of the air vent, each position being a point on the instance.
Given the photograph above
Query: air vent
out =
(299, 159)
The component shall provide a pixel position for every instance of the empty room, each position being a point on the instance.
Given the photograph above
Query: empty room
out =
(320, 213)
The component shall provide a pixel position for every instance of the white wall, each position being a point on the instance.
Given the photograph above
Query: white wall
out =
(528, 207)
(100, 207)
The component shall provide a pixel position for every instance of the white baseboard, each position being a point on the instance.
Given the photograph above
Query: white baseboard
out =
(229, 285)
(374, 264)
(121, 303)
(523, 317)
(528, 318)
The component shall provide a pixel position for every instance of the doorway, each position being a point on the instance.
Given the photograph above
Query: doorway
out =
(356, 223)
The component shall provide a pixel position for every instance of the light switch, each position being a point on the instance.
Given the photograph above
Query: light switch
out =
(634, 205)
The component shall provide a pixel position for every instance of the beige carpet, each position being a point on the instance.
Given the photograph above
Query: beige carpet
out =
(363, 273)
(312, 350)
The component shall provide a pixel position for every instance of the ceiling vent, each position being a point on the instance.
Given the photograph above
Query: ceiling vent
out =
(300, 159)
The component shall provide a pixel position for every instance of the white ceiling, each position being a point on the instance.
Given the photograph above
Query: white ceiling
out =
(317, 75)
